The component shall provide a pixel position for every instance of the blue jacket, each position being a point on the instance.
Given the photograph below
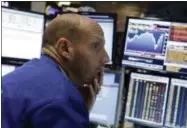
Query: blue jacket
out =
(39, 95)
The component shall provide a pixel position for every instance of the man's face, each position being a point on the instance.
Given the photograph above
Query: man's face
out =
(90, 57)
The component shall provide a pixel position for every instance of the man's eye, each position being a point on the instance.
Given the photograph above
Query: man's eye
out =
(95, 45)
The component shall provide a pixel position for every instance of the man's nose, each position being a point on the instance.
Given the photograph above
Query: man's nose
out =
(106, 58)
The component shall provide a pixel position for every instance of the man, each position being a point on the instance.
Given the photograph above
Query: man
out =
(59, 89)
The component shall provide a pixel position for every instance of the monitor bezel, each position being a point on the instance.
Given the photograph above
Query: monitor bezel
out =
(114, 17)
(125, 36)
(14, 60)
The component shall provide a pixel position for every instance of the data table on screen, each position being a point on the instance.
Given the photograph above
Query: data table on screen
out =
(146, 99)
(176, 112)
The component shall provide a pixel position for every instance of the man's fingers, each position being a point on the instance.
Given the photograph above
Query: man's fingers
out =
(101, 77)
(97, 86)
(92, 91)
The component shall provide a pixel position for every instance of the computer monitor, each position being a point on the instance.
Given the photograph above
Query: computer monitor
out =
(176, 112)
(104, 111)
(21, 34)
(5, 69)
(107, 21)
(155, 45)
(146, 99)
(176, 50)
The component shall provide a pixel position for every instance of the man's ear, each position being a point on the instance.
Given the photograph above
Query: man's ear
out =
(64, 48)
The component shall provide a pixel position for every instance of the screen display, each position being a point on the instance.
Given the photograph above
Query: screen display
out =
(107, 24)
(176, 114)
(21, 34)
(157, 45)
(146, 99)
(7, 69)
(176, 50)
(104, 109)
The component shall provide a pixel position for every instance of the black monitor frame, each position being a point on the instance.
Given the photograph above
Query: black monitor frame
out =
(18, 61)
(125, 36)
(113, 15)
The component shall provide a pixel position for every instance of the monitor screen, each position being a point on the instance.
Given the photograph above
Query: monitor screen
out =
(105, 107)
(21, 34)
(156, 45)
(176, 114)
(5, 69)
(146, 99)
(107, 23)
(176, 50)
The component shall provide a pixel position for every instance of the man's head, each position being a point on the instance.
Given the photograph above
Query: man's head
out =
(80, 43)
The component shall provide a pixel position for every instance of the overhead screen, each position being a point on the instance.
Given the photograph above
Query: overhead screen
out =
(105, 108)
(21, 34)
(107, 23)
(157, 45)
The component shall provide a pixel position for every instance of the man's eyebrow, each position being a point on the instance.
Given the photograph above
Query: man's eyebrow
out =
(98, 42)
(99, 39)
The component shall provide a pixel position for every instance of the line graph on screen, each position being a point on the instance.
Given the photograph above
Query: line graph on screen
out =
(146, 38)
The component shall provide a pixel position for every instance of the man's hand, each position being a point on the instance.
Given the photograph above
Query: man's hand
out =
(89, 92)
